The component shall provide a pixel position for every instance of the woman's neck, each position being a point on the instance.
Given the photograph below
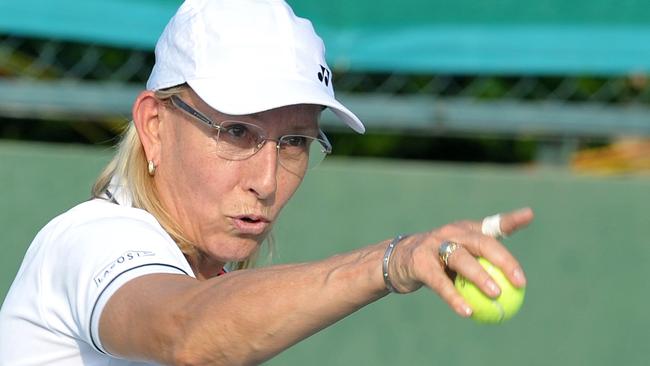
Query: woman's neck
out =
(203, 266)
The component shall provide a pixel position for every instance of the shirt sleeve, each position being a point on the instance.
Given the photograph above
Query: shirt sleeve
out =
(94, 259)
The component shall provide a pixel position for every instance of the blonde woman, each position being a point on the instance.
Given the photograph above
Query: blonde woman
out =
(220, 141)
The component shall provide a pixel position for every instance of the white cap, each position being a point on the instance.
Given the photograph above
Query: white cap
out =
(246, 56)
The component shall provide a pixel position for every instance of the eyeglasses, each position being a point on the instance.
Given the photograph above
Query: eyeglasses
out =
(236, 140)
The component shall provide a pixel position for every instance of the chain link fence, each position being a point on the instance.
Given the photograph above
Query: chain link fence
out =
(49, 79)
(37, 59)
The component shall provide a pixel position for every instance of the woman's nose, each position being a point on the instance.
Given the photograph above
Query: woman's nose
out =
(264, 166)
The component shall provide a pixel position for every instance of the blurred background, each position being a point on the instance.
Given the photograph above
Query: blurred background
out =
(471, 108)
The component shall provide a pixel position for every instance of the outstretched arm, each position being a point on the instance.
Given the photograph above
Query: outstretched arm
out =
(248, 316)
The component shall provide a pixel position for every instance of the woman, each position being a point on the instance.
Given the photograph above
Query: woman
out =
(219, 143)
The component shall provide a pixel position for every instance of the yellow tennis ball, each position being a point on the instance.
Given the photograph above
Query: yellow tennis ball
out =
(486, 309)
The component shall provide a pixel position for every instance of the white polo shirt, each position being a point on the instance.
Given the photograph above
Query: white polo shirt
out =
(76, 262)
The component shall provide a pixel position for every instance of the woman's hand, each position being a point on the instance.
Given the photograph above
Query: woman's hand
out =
(416, 262)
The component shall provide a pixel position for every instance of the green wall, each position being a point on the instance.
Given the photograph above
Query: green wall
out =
(586, 255)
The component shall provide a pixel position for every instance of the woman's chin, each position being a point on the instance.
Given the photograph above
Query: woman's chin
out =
(237, 250)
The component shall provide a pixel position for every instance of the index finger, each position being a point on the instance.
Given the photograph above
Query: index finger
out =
(515, 220)
(508, 222)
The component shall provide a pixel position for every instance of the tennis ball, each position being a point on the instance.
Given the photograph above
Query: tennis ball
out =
(486, 309)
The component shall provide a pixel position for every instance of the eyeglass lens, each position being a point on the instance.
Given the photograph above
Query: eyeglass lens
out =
(297, 153)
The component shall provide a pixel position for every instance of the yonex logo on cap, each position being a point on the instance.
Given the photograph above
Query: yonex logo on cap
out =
(324, 75)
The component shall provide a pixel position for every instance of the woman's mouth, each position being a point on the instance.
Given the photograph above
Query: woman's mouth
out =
(251, 224)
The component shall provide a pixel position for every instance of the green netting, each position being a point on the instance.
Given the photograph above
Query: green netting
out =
(546, 69)
(418, 12)
(512, 37)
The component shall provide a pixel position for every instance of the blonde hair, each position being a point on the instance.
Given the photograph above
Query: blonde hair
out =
(130, 165)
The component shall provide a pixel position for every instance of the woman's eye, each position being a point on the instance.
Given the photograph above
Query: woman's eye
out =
(236, 130)
(296, 140)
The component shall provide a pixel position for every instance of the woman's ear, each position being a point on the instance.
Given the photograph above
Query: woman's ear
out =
(146, 116)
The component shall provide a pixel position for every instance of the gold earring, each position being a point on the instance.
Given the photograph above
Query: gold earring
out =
(151, 168)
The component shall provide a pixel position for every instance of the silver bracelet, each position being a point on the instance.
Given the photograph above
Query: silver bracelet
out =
(387, 255)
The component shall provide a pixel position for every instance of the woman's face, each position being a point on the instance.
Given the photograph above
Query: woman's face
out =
(226, 207)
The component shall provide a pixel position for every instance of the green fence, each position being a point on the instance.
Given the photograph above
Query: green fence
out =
(586, 255)
(553, 37)
(551, 69)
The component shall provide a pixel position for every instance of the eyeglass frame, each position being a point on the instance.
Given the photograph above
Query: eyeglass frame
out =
(177, 102)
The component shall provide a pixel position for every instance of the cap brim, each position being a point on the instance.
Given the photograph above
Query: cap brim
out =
(237, 98)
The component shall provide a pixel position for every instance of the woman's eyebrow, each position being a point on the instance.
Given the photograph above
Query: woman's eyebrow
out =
(292, 125)
(302, 128)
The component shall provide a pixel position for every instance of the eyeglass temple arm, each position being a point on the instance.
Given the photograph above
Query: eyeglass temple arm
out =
(323, 138)
(178, 102)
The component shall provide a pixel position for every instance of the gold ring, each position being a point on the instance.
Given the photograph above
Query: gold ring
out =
(445, 250)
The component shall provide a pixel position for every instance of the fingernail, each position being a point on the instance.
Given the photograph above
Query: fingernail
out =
(524, 210)
(519, 277)
(492, 286)
(466, 310)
